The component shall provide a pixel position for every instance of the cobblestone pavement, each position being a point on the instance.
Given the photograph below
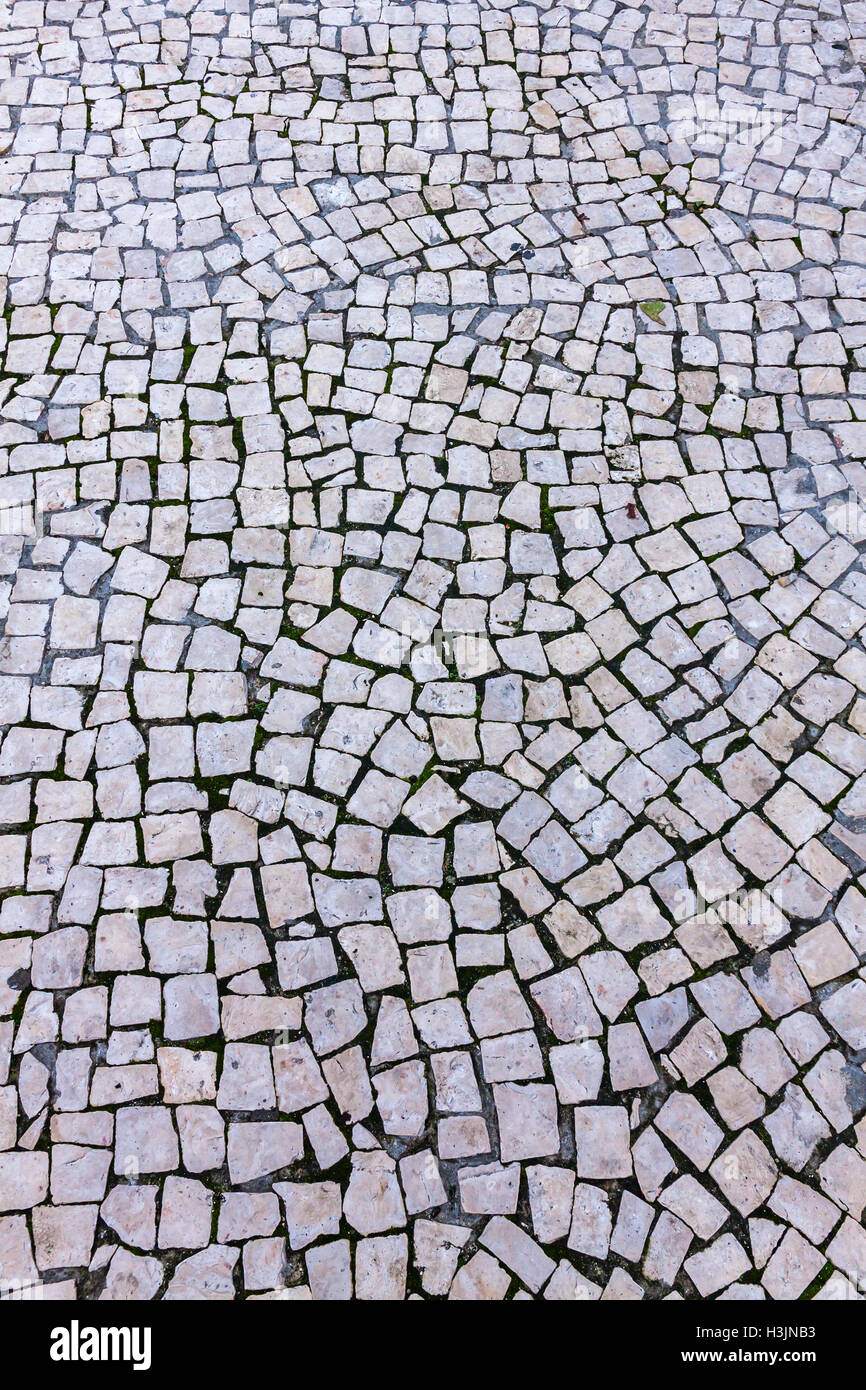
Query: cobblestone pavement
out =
(434, 704)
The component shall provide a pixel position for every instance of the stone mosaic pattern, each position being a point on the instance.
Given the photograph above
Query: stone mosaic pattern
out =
(434, 738)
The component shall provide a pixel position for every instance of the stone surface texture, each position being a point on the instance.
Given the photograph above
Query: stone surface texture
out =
(432, 678)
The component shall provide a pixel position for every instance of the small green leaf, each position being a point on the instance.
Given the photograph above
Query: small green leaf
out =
(654, 309)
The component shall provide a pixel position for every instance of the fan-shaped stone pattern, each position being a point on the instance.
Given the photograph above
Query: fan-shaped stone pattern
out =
(434, 733)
